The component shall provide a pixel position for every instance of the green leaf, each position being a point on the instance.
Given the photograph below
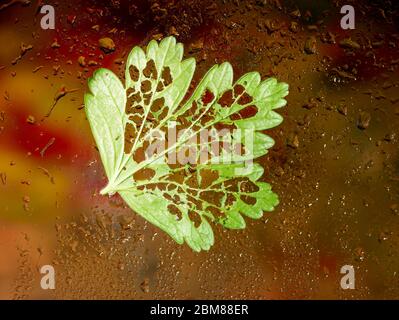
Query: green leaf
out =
(184, 159)
(105, 109)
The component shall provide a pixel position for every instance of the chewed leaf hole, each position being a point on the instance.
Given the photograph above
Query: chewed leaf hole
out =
(207, 97)
(175, 211)
(226, 100)
(245, 113)
(150, 71)
(195, 218)
(143, 174)
(146, 86)
(134, 73)
(248, 199)
(166, 76)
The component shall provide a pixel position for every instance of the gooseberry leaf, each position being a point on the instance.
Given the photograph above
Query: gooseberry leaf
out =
(183, 158)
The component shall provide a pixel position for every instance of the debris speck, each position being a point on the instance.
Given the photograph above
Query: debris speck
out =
(363, 120)
(26, 201)
(310, 45)
(48, 145)
(3, 178)
(55, 44)
(24, 49)
(31, 119)
(81, 61)
(37, 69)
(145, 285)
(47, 173)
(293, 141)
(107, 45)
(343, 110)
(349, 44)
(62, 92)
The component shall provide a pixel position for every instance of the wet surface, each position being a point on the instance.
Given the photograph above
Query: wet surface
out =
(334, 165)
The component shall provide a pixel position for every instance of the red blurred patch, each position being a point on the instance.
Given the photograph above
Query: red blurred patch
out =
(40, 139)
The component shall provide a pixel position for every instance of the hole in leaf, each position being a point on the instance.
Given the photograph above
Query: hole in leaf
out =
(177, 177)
(216, 212)
(145, 86)
(248, 199)
(134, 73)
(196, 204)
(135, 98)
(248, 186)
(208, 177)
(195, 218)
(160, 86)
(139, 154)
(157, 104)
(212, 197)
(164, 113)
(150, 71)
(129, 135)
(245, 99)
(230, 199)
(238, 89)
(143, 174)
(232, 185)
(245, 113)
(166, 76)
(147, 98)
(207, 97)
(192, 181)
(176, 199)
(135, 118)
(130, 91)
(175, 211)
(226, 100)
